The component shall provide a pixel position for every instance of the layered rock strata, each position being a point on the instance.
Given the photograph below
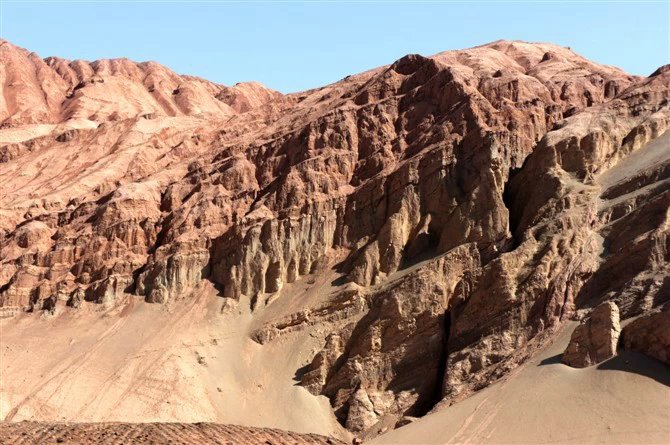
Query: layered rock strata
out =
(437, 218)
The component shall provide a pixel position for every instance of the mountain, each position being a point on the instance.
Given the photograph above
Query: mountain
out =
(53, 91)
(396, 241)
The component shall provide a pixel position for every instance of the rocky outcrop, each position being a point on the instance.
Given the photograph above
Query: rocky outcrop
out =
(649, 334)
(595, 339)
(390, 361)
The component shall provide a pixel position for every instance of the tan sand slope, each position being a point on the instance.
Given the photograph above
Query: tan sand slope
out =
(152, 363)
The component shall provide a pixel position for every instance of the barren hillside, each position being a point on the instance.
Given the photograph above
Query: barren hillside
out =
(339, 261)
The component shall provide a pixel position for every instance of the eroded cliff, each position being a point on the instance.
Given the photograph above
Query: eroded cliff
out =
(430, 222)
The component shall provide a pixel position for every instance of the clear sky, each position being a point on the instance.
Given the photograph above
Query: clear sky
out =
(292, 46)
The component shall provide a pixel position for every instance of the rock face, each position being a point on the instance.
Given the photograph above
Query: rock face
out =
(594, 340)
(650, 334)
(433, 220)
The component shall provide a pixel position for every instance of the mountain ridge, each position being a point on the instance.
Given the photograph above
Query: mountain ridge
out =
(425, 226)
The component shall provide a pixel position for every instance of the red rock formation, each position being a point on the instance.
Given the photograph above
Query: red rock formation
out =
(54, 90)
(444, 214)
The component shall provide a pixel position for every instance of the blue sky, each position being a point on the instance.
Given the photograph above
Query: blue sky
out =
(292, 46)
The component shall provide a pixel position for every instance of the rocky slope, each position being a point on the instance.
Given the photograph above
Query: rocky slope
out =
(430, 223)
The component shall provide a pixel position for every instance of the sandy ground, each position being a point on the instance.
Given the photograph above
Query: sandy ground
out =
(184, 362)
(625, 400)
(649, 158)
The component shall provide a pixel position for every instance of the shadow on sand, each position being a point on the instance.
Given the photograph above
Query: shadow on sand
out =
(639, 364)
(297, 378)
(553, 360)
(627, 361)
